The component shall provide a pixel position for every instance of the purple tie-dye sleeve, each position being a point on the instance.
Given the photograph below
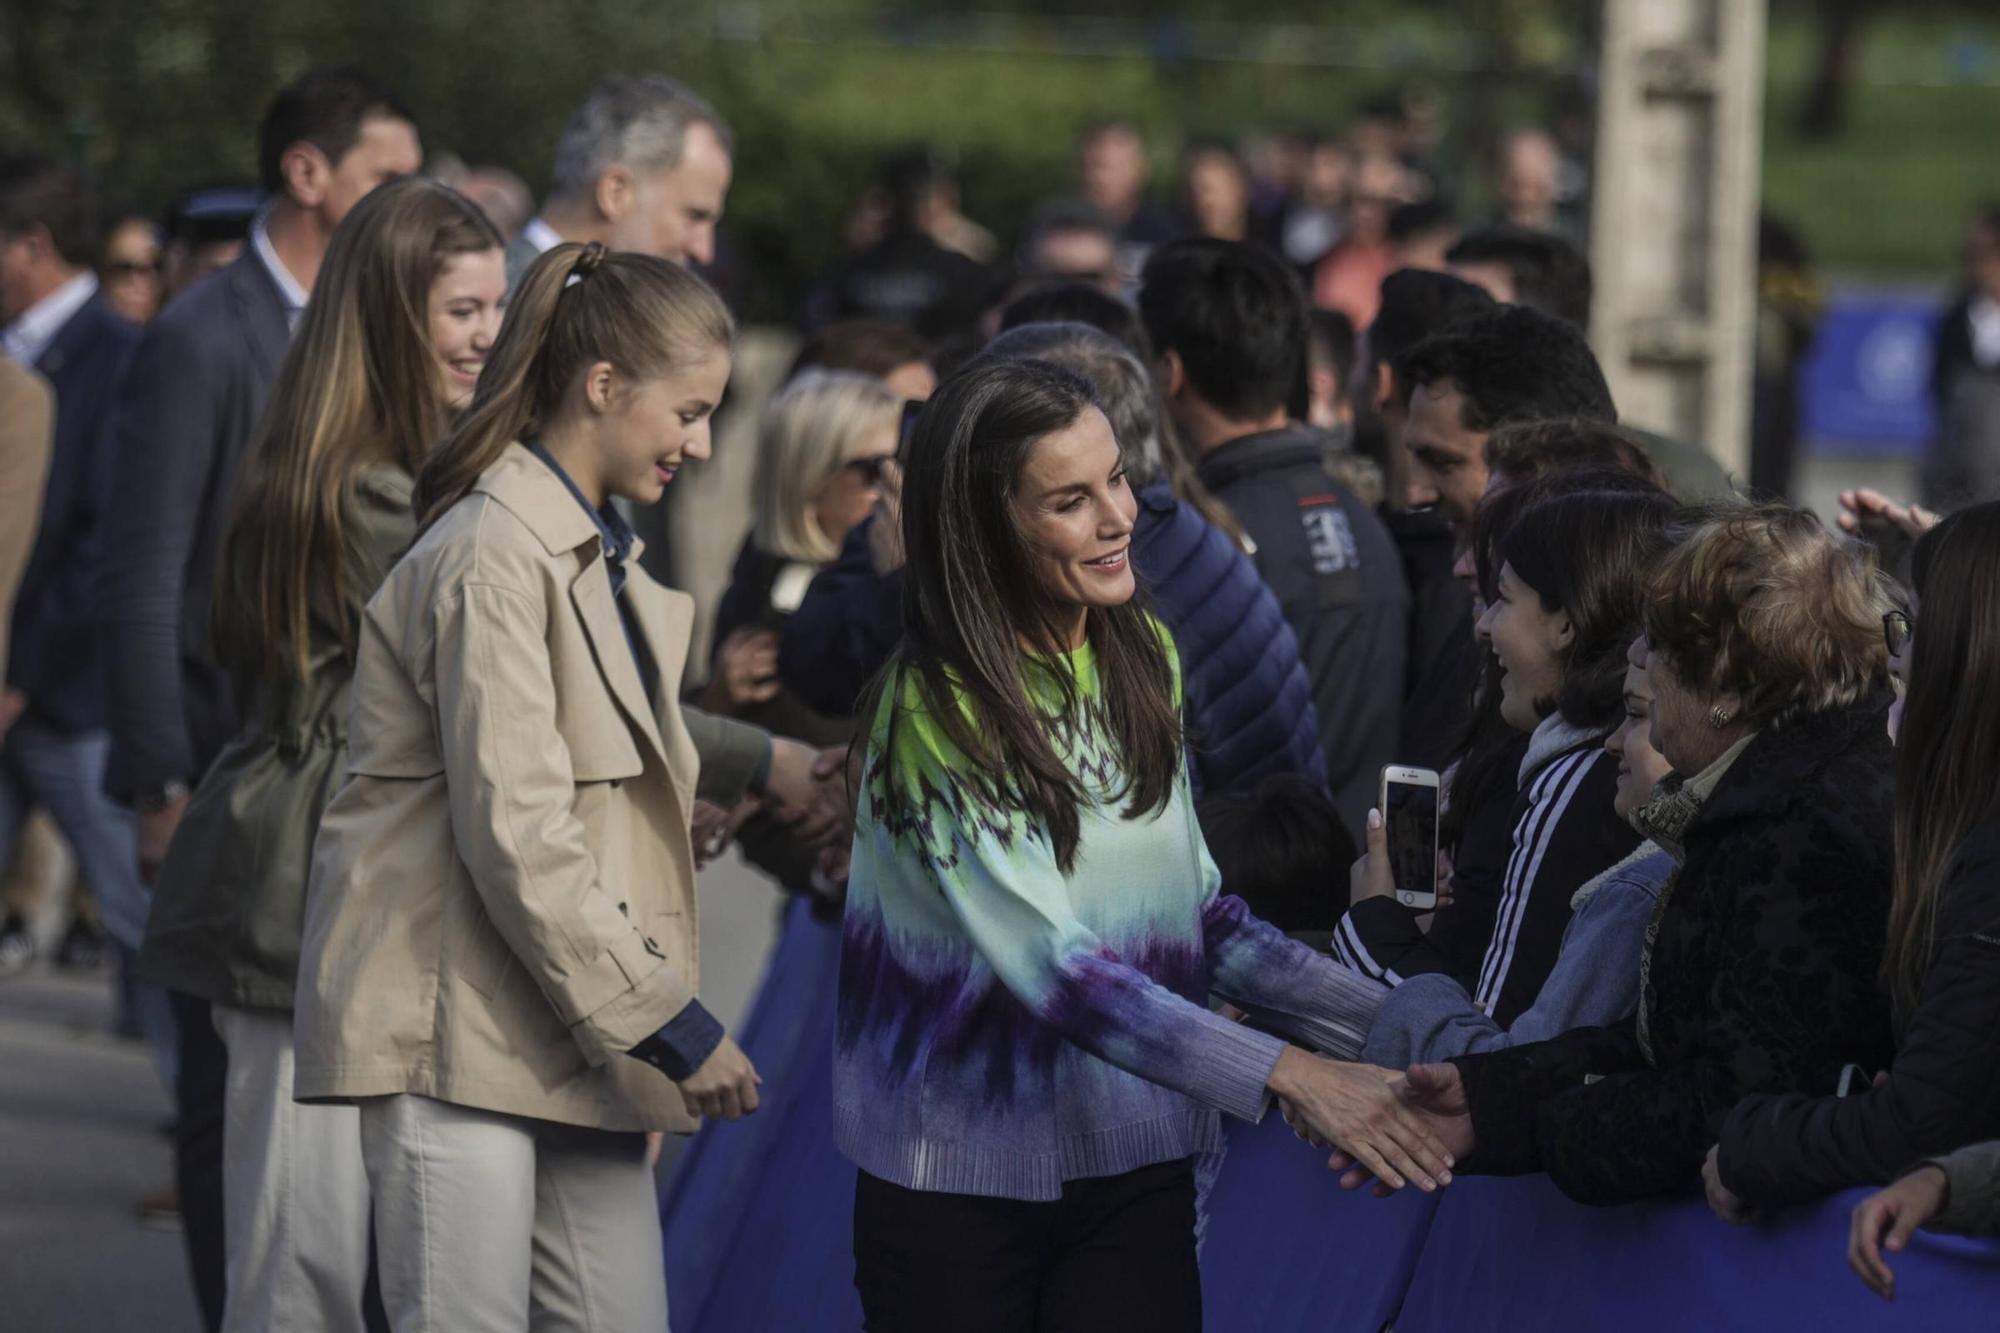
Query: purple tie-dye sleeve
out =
(1298, 990)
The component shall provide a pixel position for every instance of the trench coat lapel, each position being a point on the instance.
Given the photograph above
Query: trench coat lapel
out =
(597, 608)
(665, 622)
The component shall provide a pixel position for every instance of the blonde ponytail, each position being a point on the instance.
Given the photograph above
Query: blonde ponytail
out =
(576, 305)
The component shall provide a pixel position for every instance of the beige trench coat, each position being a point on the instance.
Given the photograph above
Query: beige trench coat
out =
(502, 897)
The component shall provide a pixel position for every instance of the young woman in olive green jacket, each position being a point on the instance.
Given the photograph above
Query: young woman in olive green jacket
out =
(402, 315)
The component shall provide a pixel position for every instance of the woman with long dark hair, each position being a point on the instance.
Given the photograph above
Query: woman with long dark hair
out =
(1025, 1064)
(1941, 966)
(400, 322)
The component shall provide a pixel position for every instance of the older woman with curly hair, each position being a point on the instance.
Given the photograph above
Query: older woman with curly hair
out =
(1768, 668)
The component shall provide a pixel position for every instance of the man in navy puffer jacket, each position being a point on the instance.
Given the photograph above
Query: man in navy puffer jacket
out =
(1248, 701)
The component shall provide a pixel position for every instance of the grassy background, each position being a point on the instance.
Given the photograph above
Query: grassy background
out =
(1889, 199)
(158, 102)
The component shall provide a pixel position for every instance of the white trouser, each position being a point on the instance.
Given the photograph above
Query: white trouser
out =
(490, 1223)
(295, 1195)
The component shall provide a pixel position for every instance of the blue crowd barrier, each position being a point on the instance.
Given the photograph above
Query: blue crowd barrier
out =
(758, 1215)
(1286, 1248)
(1516, 1255)
(759, 1230)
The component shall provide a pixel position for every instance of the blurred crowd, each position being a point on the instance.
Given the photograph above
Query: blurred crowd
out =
(1695, 922)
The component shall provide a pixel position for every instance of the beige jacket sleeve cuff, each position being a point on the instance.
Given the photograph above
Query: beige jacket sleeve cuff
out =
(634, 991)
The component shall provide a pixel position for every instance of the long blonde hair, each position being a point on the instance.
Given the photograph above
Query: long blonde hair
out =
(359, 386)
(643, 315)
(809, 432)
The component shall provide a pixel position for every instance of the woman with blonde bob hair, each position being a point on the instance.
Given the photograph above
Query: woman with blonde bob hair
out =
(1769, 675)
(827, 448)
(401, 319)
(500, 935)
(827, 437)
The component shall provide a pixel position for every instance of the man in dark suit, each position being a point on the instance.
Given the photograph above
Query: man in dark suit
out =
(53, 742)
(184, 418)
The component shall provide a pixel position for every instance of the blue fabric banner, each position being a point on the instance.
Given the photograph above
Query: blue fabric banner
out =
(759, 1230)
(1515, 1255)
(1286, 1248)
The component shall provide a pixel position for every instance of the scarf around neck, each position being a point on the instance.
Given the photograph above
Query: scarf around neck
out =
(1665, 819)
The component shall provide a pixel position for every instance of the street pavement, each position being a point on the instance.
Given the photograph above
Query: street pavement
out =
(81, 1133)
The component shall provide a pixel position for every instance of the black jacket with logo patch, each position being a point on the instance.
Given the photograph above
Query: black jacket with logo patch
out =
(1339, 580)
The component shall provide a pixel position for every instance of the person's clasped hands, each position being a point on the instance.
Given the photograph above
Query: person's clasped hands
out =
(1367, 1119)
(1431, 1096)
(808, 790)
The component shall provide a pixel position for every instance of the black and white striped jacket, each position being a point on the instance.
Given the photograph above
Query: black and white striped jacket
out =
(1565, 833)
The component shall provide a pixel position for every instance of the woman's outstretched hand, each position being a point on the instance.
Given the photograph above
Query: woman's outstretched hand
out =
(1435, 1093)
(1357, 1109)
(714, 828)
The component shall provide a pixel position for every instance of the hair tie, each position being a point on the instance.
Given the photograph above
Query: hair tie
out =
(589, 261)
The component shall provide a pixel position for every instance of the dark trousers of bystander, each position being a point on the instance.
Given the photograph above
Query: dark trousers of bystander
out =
(1116, 1252)
(203, 1084)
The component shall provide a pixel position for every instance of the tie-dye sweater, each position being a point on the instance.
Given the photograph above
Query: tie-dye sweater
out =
(1004, 1027)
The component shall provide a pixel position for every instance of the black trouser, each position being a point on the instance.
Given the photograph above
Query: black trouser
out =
(200, 1094)
(1114, 1253)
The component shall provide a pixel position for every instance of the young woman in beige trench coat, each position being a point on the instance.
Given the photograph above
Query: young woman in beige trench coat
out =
(499, 957)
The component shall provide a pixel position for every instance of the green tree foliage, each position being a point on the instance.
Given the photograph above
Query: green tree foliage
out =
(159, 96)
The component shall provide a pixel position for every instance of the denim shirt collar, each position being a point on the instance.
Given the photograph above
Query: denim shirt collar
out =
(611, 525)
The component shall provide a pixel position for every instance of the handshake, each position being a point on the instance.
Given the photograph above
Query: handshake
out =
(808, 790)
(1381, 1126)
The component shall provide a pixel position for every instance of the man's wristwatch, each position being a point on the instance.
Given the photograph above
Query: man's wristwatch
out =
(155, 799)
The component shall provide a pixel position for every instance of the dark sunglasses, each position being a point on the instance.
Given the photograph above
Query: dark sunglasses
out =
(870, 468)
(1896, 630)
(131, 268)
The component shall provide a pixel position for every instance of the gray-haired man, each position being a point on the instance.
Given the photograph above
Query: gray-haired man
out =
(644, 164)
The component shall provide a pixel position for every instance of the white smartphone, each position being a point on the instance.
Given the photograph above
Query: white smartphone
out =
(1410, 818)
